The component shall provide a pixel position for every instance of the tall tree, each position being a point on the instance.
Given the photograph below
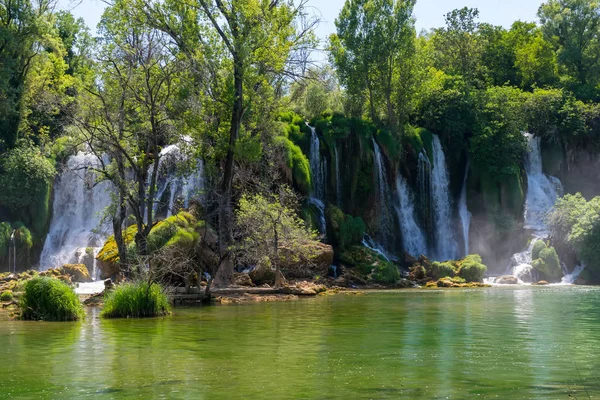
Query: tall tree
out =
(252, 42)
(573, 26)
(372, 51)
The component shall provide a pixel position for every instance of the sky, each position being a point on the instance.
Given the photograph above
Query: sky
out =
(429, 13)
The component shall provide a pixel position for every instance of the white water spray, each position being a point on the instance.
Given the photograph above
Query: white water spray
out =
(383, 198)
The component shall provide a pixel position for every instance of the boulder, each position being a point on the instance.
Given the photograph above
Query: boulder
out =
(241, 279)
(107, 268)
(507, 280)
(78, 272)
(263, 273)
(541, 283)
(318, 263)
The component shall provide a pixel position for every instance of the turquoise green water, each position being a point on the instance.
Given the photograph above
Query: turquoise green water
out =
(505, 343)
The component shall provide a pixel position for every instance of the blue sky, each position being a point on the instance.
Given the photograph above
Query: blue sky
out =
(429, 13)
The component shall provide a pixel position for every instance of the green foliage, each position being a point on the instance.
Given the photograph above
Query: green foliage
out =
(136, 300)
(575, 222)
(345, 229)
(498, 145)
(472, 269)
(360, 256)
(6, 296)
(167, 231)
(538, 246)
(442, 269)
(24, 177)
(333, 127)
(50, 300)
(297, 162)
(5, 233)
(548, 263)
(385, 272)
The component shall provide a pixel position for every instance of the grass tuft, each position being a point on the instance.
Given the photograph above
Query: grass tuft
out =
(136, 300)
(50, 300)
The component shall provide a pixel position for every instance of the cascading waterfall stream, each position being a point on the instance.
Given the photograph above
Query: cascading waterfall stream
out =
(338, 182)
(463, 212)
(180, 188)
(318, 169)
(446, 246)
(414, 241)
(383, 199)
(12, 253)
(542, 193)
(78, 204)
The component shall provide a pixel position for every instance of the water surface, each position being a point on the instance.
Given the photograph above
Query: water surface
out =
(504, 343)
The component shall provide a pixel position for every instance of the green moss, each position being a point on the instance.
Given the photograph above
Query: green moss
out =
(471, 268)
(385, 272)
(136, 300)
(345, 229)
(390, 143)
(357, 256)
(297, 162)
(412, 139)
(5, 232)
(548, 264)
(427, 140)
(538, 246)
(442, 270)
(6, 296)
(50, 300)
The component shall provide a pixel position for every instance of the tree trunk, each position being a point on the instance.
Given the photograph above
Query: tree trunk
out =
(278, 275)
(225, 272)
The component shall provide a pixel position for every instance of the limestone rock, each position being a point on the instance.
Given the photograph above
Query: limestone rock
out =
(301, 268)
(241, 279)
(507, 280)
(107, 269)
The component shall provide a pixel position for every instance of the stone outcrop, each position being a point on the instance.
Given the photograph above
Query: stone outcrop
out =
(78, 272)
(318, 263)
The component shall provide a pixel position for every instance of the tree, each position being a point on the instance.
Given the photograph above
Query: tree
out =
(573, 27)
(458, 46)
(251, 42)
(23, 24)
(266, 225)
(373, 52)
(128, 115)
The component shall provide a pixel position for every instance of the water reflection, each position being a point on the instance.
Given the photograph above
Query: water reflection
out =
(491, 343)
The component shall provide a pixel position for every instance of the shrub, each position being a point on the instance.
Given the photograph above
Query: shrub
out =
(472, 269)
(346, 230)
(6, 296)
(50, 300)
(136, 300)
(538, 246)
(442, 270)
(548, 263)
(385, 272)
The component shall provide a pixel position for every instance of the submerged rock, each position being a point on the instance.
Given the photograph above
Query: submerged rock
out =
(242, 279)
(540, 283)
(507, 280)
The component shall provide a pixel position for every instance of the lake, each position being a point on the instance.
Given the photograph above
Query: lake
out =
(512, 342)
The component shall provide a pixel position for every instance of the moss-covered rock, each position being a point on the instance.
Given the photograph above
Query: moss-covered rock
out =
(471, 268)
(344, 229)
(6, 296)
(442, 270)
(78, 272)
(385, 272)
(548, 264)
(538, 246)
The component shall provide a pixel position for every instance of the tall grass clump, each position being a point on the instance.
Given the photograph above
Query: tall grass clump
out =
(50, 300)
(136, 300)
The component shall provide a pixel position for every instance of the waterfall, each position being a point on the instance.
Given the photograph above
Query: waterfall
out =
(463, 212)
(369, 243)
(570, 279)
(318, 169)
(442, 205)
(542, 190)
(316, 166)
(542, 193)
(338, 183)
(78, 204)
(174, 189)
(383, 198)
(414, 241)
(12, 253)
